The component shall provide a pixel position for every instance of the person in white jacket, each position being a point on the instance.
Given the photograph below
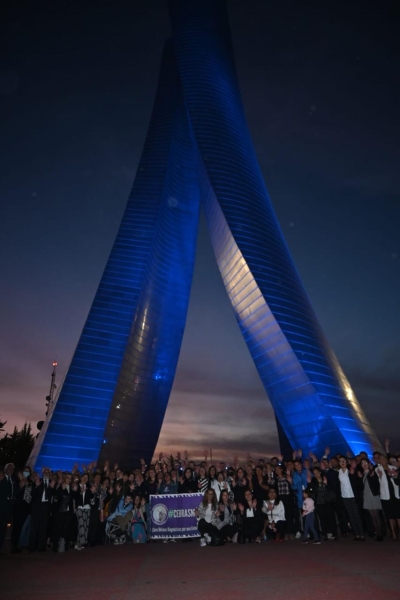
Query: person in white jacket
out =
(220, 484)
(275, 523)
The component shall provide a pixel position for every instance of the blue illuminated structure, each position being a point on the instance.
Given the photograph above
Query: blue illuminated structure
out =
(118, 384)
(198, 150)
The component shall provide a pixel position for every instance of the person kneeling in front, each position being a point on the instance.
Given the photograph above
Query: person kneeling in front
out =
(252, 519)
(275, 524)
(208, 518)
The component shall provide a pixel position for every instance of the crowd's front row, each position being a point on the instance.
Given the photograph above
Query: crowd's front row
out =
(223, 521)
(310, 499)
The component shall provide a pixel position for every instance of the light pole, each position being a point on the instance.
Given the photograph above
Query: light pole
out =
(53, 387)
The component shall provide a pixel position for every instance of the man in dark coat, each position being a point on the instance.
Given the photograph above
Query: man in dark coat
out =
(8, 492)
(42, 493)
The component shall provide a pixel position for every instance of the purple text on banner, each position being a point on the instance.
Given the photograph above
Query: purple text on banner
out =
(172, 515)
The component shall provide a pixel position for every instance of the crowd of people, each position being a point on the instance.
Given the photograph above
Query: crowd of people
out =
(307, 498)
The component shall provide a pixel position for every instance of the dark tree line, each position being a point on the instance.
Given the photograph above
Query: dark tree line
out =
(16, 447)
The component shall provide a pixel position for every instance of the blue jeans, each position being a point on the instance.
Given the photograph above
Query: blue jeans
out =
(309, 526)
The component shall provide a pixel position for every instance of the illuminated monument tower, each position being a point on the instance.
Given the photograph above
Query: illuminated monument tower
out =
(198, 151)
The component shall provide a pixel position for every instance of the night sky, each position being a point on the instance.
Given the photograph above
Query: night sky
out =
(320, 86)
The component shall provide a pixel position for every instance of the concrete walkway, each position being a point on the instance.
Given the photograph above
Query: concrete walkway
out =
(184, 571)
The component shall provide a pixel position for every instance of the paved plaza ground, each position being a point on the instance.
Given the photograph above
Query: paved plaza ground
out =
(184, 571)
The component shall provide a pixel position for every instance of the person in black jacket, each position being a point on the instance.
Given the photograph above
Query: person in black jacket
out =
(42, 493)
(330, 470)
(371, 499)
(240, 485)
(100, 498)
(63, 501)
(186, 483)
(322, 493)
(22, 506)
(252, 519)
(8, 490)
(151, 483)
(140, 486)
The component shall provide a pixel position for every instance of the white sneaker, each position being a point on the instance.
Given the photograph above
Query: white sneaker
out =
(116, 542)
(207, 537)
(298, 535)
(330, 536)
(203, 542)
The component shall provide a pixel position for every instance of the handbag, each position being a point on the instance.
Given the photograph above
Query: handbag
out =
(216, 541)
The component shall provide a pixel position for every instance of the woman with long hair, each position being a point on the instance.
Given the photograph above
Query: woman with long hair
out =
(227, 525)
(221, 484)
(249, 475)
(324, 511)
(202, 481)
(151, 481)
(252, 519)
(260, 486)
(275, 523)
(82, 500)
(160, 481)
(371, 500)
(207, 514)
(138, 522)
(239, 486)
(212, 477)
(150, 489)
(286, 495)
(187, 485)
(99, 513)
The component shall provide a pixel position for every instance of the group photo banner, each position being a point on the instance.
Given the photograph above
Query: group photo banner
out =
(172, 515)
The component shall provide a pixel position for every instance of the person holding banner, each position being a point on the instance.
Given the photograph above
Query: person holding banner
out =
(138, 522)
(208, 516)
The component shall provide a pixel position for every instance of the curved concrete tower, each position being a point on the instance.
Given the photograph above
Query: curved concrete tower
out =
(198, 151)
